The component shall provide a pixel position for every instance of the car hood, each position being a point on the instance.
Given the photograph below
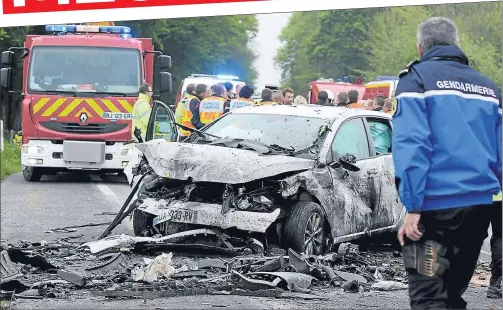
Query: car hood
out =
(209, 163)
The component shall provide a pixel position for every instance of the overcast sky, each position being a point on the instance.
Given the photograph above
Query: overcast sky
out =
(265, 46)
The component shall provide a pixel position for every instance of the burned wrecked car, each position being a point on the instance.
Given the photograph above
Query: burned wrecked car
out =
(303, 177)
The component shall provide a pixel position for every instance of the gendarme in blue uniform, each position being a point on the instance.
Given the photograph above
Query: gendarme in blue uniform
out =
(446, 139)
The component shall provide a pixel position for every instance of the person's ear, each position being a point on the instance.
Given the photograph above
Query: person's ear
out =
(419, 50)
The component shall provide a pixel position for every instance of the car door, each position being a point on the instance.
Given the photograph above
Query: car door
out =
(161, 123)
(388, 209)
(354, 188)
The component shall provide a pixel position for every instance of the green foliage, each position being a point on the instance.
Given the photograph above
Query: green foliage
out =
(370, 42)
(207, 45)
(10, 159)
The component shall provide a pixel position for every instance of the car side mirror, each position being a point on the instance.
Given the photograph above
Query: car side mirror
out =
(7, 57)
(6, 78)
(347, 162)
(164, 62)
(166, 82)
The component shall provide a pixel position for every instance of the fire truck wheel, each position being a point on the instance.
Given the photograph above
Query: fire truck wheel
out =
(32, 174)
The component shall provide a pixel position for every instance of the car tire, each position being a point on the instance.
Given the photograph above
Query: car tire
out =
(32, 174)
(306, 217)
(141, 223)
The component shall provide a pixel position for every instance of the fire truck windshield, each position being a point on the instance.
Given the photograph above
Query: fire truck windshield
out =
(85, 69)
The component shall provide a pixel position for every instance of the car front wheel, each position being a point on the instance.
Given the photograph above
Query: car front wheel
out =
(305, 229)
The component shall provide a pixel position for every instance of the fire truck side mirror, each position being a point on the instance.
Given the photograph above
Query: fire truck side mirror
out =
(165, 82)
(5, 78)
(7, 57)
(164, 62)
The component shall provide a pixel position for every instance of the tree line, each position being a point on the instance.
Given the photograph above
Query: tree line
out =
(365, 43)
(206, 45)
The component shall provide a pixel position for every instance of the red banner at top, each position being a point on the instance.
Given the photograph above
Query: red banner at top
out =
(43, 6)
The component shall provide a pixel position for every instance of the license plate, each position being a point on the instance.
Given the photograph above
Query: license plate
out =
(175, 215)
(113, 115)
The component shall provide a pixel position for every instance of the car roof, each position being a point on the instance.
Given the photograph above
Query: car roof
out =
(309, 110)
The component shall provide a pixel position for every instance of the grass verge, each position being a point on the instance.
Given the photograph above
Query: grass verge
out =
(10, 160)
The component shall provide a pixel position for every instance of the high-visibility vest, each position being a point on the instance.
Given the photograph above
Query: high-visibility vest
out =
(267, 102)
(141, 114)
(497, 197)
(183, 115)
(239, 103)
(355, 105)
(211, 108)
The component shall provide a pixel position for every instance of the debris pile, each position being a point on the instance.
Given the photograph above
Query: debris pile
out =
(151, 267)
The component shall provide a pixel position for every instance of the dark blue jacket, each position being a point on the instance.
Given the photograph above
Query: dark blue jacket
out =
(446, 142)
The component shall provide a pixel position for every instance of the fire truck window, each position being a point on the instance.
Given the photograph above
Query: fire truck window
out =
(114, 70)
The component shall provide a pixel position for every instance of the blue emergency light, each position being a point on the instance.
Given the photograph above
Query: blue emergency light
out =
(123, 31)
(346, 79)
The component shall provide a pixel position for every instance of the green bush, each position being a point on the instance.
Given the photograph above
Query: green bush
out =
(10, 159)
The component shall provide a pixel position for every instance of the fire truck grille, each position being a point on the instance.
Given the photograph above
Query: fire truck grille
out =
(88, 129)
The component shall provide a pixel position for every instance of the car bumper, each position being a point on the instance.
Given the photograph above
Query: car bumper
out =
(208, 215)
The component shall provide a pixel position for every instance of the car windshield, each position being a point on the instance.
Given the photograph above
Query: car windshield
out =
(87, 69)
(297, 132)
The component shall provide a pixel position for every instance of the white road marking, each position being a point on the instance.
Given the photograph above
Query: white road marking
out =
(108, 193)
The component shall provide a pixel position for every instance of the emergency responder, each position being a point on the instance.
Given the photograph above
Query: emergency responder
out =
(199, 94)
(266, 98)
(228, 88)
(494, 289)
(182, 112)
(243, 100)
(288, 96)
(446, 148)
(378, 103)
(342, 99)
(238, 89)
(322, 98)
(388, 105)
(213, 106)
(142, 110)
(353, 100)
(277, 97)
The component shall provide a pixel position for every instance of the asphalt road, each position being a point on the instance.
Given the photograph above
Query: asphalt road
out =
(29, 210)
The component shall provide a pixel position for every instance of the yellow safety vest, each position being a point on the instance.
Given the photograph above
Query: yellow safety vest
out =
(141, 115)
(239, 103)
(267, 102)
(211, 108)
(497, 197)
(183, 115)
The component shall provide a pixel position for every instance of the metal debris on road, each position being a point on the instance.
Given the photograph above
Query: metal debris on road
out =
(388, 286)
(8, 270)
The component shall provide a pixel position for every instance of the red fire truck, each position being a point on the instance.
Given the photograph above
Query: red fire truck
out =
(79, 85)
(334, 87)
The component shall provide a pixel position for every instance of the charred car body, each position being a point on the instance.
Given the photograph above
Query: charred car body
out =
(303, 177)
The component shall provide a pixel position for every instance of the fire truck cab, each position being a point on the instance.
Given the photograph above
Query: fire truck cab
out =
(79, 85)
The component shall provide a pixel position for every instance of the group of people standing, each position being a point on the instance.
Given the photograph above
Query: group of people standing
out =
(350, 100)
(200, 105)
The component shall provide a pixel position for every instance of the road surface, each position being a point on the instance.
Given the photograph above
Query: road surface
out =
(29, 210)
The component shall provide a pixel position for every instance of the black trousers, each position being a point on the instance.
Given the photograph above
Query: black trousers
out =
(459, 234)
(496, 264)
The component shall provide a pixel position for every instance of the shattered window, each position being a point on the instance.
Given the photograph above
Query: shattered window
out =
(298, 132)
(351, 138)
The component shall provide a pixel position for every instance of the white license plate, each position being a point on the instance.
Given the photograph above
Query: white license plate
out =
(116, 115)
(175, 215)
